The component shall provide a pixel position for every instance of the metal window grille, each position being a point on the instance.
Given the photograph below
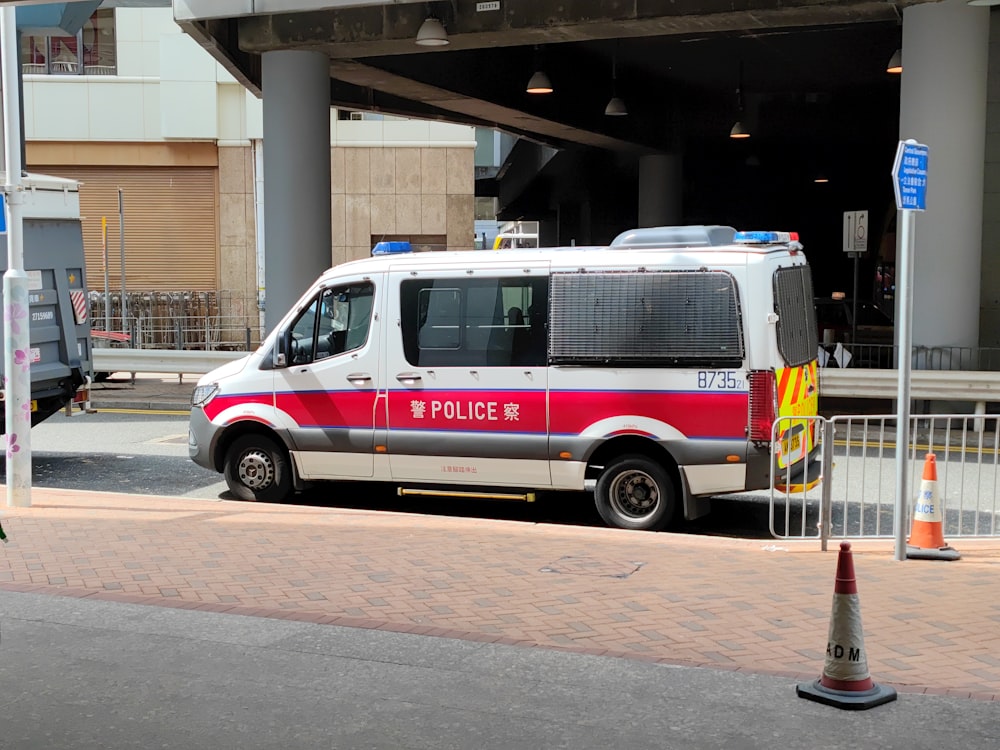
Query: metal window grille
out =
(798, 341)
(667, 318)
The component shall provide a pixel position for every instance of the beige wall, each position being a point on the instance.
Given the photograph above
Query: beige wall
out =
(237, 228)
(400, 191)
(375, 191)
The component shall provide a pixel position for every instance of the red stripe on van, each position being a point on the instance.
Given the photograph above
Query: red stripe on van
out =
(329, 408)
(220, 403)
(716, 415)
(711, 415)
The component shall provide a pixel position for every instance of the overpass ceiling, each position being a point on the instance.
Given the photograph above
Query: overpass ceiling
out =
(811, 69)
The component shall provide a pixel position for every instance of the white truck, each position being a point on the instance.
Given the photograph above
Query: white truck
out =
(57, 313)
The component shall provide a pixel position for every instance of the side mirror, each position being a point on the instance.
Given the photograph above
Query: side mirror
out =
(282, 348)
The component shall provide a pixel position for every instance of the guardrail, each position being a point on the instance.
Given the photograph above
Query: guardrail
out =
(182, 362)
(937, 385)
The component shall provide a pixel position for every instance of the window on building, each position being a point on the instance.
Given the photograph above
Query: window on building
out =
(486, 208)
(91, 52)
(354, 114)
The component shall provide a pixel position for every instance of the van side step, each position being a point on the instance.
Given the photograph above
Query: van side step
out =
(528, 497)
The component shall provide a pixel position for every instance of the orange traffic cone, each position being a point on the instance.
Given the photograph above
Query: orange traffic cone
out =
(845, 682)
(926, 540)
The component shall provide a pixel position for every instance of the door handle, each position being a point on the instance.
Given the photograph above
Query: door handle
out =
(357, 378)
(408, 378)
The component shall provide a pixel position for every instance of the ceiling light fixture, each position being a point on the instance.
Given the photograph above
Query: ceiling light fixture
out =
(896, 62)
(539, 83)
(432, 33)
(738, 131)
(984, 2)
(616, 106)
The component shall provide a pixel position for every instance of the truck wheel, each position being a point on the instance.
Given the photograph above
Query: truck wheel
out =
(257, 469)
(634, 492)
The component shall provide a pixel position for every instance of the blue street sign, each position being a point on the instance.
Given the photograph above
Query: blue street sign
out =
(3, 213)
(909, 176)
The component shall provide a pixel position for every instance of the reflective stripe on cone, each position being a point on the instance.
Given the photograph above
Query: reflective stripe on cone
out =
(926, 540)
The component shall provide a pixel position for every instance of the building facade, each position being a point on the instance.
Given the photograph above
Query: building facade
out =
(168, 145)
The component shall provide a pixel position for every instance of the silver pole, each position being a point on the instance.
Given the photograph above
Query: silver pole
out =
(104, 257)
(903, 288)
(826, 488)
(17, 313)
(121, 240)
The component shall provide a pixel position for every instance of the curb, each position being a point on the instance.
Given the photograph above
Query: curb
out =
(138, 405)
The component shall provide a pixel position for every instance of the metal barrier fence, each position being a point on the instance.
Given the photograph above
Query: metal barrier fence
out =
(209, 321)
(856, 497)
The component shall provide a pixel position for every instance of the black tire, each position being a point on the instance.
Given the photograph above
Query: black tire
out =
(635, 492)
(257, 468)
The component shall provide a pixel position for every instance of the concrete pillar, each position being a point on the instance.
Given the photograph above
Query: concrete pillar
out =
(297, 234)
(660, 189)
(989, 321)
(943, 104)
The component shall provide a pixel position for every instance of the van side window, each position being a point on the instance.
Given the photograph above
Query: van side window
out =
(646, 318)
(474, 322)
(335, 322)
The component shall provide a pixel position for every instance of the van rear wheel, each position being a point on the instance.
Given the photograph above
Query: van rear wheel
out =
(634, 492)
(257, 468)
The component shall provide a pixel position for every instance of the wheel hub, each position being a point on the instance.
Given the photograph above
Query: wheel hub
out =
(635, 494)
(256, 470)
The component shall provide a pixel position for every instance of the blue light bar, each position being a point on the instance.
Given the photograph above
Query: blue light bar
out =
(391, 248)
(766, 238)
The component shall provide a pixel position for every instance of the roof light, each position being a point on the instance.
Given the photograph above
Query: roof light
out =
(765, 238)
(391, 248)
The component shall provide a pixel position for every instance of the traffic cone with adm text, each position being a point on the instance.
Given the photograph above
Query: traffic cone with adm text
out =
(926, 540)
(846, 682)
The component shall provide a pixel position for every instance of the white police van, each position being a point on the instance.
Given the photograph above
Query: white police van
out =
(650, 372)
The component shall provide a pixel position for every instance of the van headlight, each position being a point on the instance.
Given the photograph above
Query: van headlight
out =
(203, 394)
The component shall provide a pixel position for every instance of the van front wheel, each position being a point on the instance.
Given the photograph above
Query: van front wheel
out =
(634, 492)
(257, 469)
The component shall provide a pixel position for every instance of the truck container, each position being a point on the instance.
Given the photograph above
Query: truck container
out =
(57, 313)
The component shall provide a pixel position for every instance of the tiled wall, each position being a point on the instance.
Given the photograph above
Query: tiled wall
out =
(384, 190)
(400, 191)
(237, 225)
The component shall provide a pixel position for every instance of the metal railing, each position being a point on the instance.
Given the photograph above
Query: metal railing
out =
(859, 471)
(885, 357)
(211, 321)
(185, 362)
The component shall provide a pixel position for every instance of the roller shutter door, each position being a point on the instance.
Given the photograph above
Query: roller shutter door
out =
(171, 226)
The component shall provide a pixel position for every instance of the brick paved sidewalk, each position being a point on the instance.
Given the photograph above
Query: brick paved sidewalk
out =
(720, 603)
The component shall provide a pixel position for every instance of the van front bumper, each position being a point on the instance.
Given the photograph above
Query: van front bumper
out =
(202, 436)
